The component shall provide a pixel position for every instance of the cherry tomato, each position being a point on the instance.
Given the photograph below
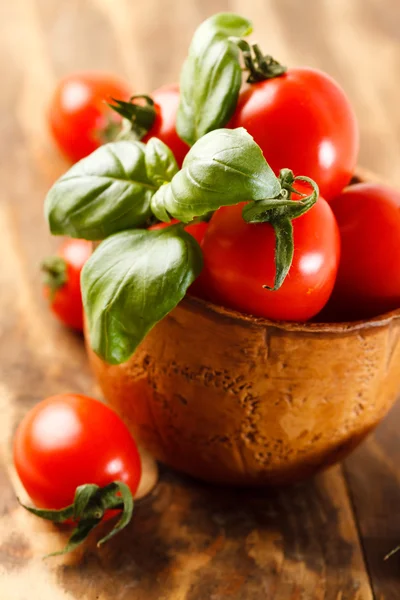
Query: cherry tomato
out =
(62, 282)
(166, 101)
(79, 115)
(70, 440)
(197, 230)
(368, 281)
(239, 258)
(302, 119)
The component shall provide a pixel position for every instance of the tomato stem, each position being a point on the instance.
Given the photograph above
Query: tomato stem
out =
(259, 66)
(90, 504)
(139, 116)
(55, 272)
(280, 212)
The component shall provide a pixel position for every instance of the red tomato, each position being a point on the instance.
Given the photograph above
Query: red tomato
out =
(79, 115)
(70, 440)
(63, 287)
(302, 119)
(197, 230)
(239, 258)
(368, 281)
(166, 101)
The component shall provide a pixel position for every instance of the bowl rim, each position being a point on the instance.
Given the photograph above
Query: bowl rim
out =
(194, 304)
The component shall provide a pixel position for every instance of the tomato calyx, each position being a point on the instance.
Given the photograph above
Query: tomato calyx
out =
(55, 273)
(111, 130)
(279, 212)
(138, 117)
(259, 66)
(90, 504)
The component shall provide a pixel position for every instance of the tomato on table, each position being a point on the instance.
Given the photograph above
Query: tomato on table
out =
(368, 281)
(79, 117)
(62, 281)
(239, 259)
(303, 119)
(69, 440)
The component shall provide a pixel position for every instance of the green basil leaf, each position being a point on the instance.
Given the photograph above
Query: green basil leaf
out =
(158, 203)
(161, 165)
(106, 192)
(131, 281)
(224, 167)
(211, 76)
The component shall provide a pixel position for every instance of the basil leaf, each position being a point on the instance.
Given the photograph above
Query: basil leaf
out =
(224, 167)
(211, 76)
(161, 165)
(131, 281)
(106, 192)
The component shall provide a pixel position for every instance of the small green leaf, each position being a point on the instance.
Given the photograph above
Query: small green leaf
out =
(84, 495)
(211, 76)
(161, 165)
(106, 192)
(158, 202)
(127, 510)
(131, 281)
(224, 167)
(56, 516)
(78, 536)
(284, 250)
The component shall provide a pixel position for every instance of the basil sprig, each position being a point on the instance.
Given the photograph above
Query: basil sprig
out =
(137, 276)
(105, 192)
(132, 280)
(121, 184)
(211, 76)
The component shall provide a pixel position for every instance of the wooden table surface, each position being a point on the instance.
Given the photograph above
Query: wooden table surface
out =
(323, 539)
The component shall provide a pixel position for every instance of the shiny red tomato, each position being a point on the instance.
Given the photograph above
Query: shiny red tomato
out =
(166, 100)
(79, 115)
(302, 119)
(62, 281)
(368, 281)
(70, 440)
(197, 230)
(239, 258)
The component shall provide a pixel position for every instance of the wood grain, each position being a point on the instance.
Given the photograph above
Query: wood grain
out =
(188, 541)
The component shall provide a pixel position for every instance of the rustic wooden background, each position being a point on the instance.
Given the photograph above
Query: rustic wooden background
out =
(324, 539)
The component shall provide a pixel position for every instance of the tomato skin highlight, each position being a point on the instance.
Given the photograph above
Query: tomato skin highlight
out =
(66, 302)
(166, 100)
(70, 440)
(239, 258)
(368, 281)
(303, 120)
(78, 112)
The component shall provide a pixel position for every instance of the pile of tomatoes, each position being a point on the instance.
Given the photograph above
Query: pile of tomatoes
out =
(346, 248)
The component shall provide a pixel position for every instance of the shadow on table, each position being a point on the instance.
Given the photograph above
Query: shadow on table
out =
(197, 541)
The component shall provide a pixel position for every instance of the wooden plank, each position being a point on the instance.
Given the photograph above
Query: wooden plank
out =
(188, 541)
(374, 482)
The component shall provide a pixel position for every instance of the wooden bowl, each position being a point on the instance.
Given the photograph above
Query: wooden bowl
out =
(235, 399)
